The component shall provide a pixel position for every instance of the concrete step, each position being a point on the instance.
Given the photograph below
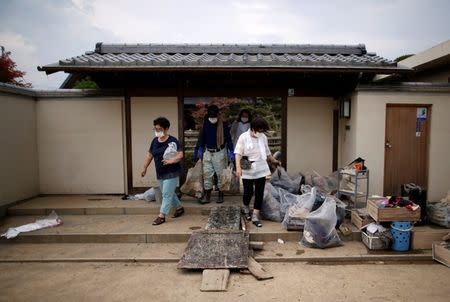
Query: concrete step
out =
(351, 252)
(130, 229)
(107, 205)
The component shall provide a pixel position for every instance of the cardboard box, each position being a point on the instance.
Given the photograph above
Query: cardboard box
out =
(360, 218)
(391, 214)
(422, 238)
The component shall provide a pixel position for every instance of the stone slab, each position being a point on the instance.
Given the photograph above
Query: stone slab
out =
(215, 250)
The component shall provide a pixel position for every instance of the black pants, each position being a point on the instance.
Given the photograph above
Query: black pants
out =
(254, 186)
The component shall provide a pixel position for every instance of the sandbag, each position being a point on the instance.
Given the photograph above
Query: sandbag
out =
(194, 181)
(319, 231)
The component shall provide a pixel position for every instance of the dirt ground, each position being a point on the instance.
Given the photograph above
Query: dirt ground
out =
(163, 282)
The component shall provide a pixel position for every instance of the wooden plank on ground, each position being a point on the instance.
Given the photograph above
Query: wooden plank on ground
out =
(215, 280)
(257, 270)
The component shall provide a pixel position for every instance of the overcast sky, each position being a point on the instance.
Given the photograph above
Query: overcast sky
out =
(39, 32)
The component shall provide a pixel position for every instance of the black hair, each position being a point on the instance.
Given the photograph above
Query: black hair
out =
(163, 122)
(212, 111)
(259, 124)
(245, 111)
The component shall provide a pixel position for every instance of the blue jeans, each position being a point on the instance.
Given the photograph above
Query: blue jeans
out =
(169, 197)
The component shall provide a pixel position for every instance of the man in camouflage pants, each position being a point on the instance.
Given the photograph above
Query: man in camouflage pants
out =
(213, 145)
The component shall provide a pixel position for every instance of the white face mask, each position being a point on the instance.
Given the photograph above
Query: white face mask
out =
(244, 119)
(212, 120)
(257, 134)
(159, 133)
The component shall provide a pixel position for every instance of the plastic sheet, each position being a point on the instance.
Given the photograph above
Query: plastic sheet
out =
(51, 220)
(319, 231)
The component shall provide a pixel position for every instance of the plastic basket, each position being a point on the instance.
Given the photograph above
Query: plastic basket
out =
(373, 242)
(401, 234)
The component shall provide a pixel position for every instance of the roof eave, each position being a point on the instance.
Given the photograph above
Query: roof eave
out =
(49, 69)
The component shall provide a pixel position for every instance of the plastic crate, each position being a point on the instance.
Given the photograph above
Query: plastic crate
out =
(373, 242)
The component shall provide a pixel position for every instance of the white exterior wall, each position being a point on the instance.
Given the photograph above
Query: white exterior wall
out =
(80, 145)
(143, 111)
(366, 137)
(310, 134)
(18, 152)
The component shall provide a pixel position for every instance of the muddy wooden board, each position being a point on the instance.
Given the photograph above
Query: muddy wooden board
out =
(215, 280)
(216, 249)
(224, 218)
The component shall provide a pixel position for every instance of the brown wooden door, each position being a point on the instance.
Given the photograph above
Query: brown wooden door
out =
(406, 146)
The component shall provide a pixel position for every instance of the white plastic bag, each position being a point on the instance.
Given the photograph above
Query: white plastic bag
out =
(50, 221)
(226, 178)
(286, 201)
(148, 195)
(295, 216)
(171, 151)
(319, 231)
(194, 181)
(230, 183)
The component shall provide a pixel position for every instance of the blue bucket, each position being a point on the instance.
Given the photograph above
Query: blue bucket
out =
(401, 234)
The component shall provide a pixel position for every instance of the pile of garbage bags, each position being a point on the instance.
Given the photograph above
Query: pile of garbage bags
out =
(439, 213)
(304, 207)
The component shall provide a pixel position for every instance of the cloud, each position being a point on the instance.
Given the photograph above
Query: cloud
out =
(23, 52)
(57, 29)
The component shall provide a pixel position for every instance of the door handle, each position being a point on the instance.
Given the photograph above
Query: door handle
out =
(388, 145)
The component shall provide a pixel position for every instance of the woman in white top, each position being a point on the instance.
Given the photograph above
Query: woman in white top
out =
(253, 145)
(240, 125)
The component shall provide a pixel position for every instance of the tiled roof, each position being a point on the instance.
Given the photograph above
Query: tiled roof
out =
(192, 56)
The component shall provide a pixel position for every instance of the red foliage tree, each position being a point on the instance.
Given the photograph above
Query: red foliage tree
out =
(9, 72)
(221, 102)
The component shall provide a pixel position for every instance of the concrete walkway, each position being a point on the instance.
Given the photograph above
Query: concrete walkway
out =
(352, 251)
(163, 282)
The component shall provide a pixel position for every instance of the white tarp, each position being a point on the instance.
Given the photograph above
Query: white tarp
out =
(50, 221)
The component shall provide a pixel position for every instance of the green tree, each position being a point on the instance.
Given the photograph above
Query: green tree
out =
(85, 83)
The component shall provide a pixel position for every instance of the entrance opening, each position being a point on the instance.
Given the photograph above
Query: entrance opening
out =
(194, 110)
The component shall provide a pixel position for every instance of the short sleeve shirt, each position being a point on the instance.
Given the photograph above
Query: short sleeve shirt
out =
(157, 150)
(252, 151)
